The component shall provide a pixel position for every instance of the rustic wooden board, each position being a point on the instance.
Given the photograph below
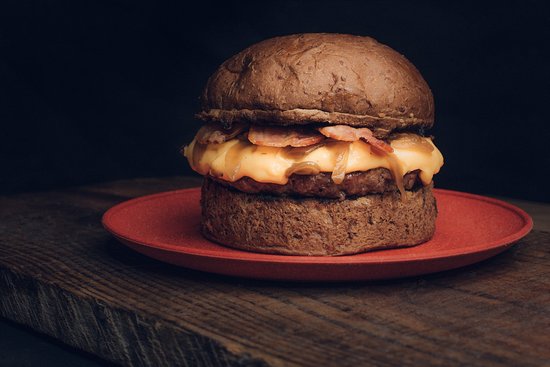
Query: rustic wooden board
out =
(63, 275)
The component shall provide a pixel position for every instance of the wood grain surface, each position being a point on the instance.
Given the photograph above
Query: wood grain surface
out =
(63, 275)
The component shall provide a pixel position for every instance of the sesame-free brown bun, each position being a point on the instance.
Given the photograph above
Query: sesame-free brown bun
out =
(319, 77)
(311, 226)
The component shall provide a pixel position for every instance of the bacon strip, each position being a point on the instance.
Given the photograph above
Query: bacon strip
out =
(348, 133)
(275, 136)
(214, 133)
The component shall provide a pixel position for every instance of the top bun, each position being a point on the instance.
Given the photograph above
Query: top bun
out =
(319, 77)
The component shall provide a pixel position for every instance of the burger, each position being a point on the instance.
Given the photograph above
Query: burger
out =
(314, 144)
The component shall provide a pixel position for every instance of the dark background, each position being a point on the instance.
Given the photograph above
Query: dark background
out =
(101, 90)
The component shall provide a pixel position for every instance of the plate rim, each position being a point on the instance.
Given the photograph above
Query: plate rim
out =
(374, 257)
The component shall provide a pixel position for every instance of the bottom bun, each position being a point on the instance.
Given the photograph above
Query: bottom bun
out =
(312, 226)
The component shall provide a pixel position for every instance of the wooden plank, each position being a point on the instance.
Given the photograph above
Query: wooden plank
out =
(62, 274)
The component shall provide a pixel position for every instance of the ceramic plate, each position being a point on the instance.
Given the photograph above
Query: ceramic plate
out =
(469, 228)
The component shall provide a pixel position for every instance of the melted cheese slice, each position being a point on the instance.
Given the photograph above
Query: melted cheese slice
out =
(235, 159)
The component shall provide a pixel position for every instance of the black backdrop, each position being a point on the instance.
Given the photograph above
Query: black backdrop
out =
(100, 90)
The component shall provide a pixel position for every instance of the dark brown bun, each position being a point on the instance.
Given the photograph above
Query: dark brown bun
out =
(319, 77)
(312, 226)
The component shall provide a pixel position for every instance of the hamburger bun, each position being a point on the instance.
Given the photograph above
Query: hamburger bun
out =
(309, 226)
(325, 78)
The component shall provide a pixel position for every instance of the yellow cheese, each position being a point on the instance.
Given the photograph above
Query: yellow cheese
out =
(235, 159)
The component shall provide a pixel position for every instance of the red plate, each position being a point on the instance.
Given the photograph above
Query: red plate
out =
(469, 228)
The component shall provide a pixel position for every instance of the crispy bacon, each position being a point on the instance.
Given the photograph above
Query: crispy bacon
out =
(275, 136)
(348, 133)
(379, 144)
(215, 133)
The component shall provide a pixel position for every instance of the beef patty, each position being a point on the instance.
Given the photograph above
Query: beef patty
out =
(374, 181)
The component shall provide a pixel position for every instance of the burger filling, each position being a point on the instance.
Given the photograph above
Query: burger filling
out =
(374, 181)
(332, 161)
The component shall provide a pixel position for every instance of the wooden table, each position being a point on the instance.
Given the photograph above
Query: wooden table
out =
(63, 275)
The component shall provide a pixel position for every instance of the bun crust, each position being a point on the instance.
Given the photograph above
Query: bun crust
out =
(314, 226)
(319, 77)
